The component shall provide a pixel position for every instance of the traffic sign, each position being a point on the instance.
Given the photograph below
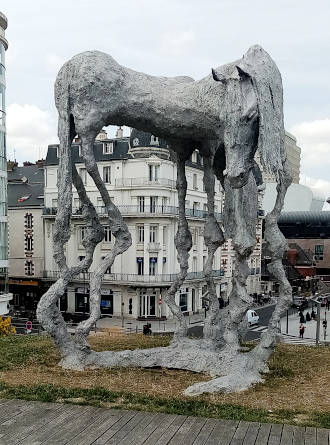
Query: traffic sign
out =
(28, 326)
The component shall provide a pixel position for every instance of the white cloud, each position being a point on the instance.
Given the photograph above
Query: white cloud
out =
(314, 139)
(320, 187)
(29, 131)
(176, 43)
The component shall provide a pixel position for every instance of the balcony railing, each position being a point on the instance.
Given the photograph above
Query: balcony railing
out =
(136, 182)
(147, 210)
(135, 278)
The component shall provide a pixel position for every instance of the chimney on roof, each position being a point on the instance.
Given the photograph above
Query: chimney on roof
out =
(40, 163)
(27, 163)
(119, 133)
(11, 165)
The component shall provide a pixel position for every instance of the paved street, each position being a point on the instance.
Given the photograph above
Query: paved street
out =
(32, 423)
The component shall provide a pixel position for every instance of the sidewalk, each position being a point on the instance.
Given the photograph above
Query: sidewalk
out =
(310, 326)
(56, 423)
(157, 326)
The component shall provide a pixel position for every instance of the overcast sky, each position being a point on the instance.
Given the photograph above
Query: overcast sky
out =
(170, 38)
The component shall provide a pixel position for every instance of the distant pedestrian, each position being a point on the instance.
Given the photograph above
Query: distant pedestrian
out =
(308, 316)
(313, 315)
(328, 304)
(301, 331)
(302, 318)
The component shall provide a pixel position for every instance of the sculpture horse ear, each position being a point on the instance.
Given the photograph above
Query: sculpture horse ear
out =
(217, 76)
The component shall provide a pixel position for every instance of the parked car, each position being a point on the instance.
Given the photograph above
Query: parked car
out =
(253, 317)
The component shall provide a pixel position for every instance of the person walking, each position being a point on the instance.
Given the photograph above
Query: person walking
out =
(301, 331)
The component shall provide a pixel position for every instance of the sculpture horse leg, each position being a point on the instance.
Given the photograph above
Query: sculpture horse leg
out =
(47, 311)
(118, 228)
(183, 244)
(214, 238)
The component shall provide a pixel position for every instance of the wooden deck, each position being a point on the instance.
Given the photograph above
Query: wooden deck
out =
(35, 423)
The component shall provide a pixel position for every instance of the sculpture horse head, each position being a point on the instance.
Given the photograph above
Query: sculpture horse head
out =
(252, 116)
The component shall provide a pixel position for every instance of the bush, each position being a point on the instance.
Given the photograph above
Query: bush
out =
(5, 327)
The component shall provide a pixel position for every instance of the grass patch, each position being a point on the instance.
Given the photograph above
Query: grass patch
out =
(295, 391)
(101, 397)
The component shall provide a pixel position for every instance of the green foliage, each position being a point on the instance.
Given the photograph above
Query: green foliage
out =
(5, 327)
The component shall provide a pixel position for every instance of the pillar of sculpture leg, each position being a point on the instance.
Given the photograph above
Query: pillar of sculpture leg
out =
(183, 244)
(240, 221)
(276, 245)
(214, 238)
(47, 311)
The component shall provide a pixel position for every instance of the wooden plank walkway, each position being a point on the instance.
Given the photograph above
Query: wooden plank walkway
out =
(35, 423)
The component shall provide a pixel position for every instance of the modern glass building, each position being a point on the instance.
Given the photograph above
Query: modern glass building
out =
(4, 296)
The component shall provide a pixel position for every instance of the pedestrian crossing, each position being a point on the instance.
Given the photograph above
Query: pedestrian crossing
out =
(257, 328)
(291, 339)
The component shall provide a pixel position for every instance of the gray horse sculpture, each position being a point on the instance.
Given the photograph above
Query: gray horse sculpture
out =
(228, 115)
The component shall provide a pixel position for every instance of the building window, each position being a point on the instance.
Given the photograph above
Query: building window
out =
(107, 175)
(194, 264)
(153, 234)
(154, 140)
(140, 265)
(165, 230)
(194, 157)
(82, 233)
(107, 234)
(107, 148)
(195, 181)
(76, 203)
(29, 220)
(164, 204)
(183, 302)
(80, 151)
(83, 175)
(108, 270)
(140, 233)
(152, 265)
(29, 268)
(153, 172)
(195, 208)
(54, 202)
(141, 202)
(153, 203)
(319, 250)
(29, 243)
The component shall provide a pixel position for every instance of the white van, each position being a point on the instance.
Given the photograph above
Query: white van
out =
(253, 317)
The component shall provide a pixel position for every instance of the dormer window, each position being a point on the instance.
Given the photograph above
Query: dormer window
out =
(107, 148)
(194, 157)
(79, 151)
(154, 140)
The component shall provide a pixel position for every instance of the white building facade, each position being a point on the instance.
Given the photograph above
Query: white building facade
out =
(5, 296)
(140, 175)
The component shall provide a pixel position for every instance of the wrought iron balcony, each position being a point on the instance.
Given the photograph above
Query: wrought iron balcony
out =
(160, 279)
(141, 182)
(138, 210)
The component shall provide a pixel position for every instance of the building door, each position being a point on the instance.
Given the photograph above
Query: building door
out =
(147, 305)
(106, 301)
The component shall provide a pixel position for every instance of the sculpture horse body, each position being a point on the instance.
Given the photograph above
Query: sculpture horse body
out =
(233, 108)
